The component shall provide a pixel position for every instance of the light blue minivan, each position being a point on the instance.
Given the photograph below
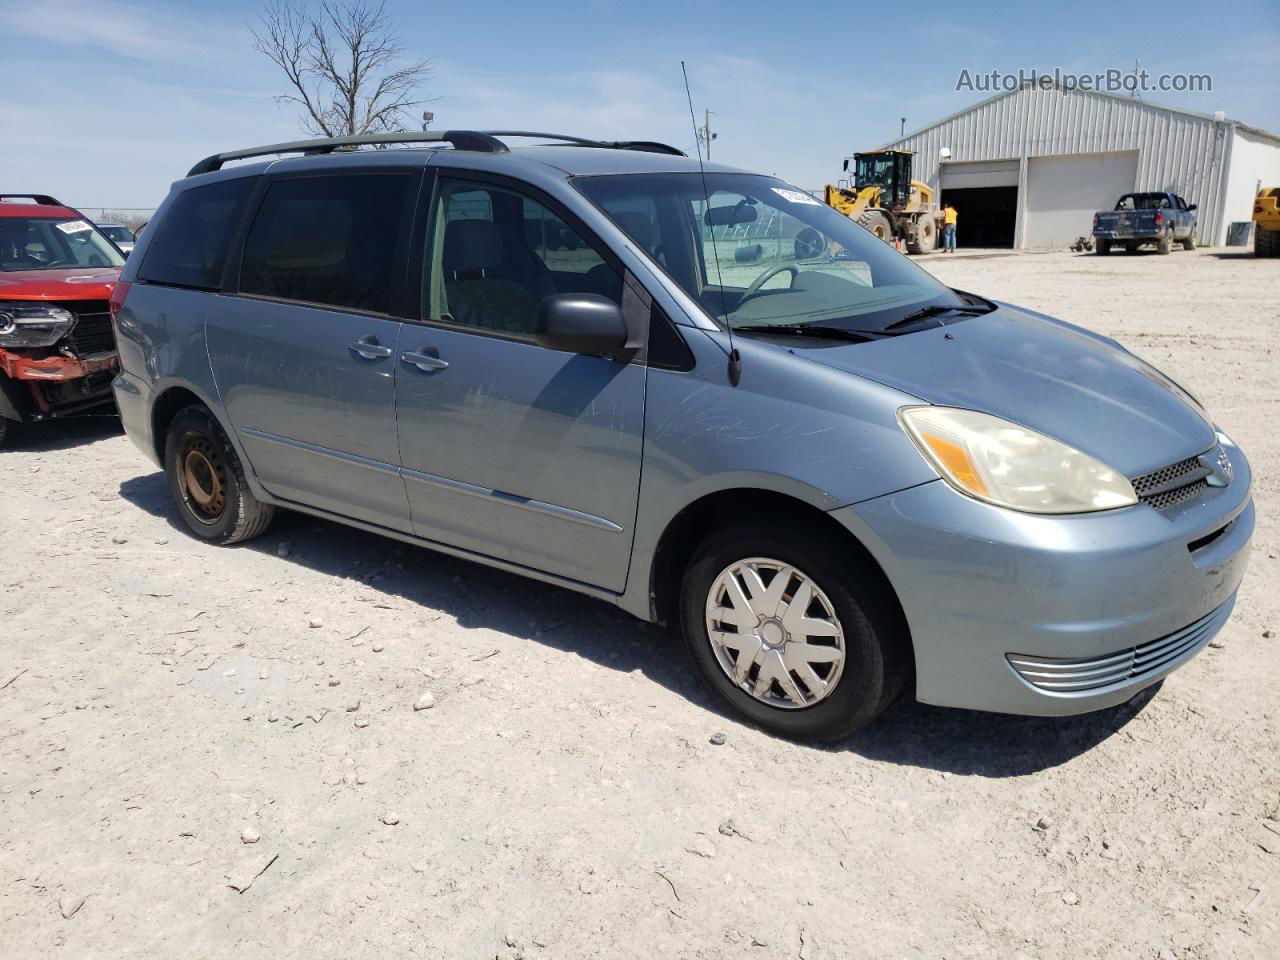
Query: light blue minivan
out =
(696, 393)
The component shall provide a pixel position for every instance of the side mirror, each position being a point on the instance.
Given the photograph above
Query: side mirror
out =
(580, 323)
(846, 165)
(1191, 206)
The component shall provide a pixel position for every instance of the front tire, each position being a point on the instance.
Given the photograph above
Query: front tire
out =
(878, 224)
(1190, 242)
(815, 656)
(207, 483)
(1266, 243)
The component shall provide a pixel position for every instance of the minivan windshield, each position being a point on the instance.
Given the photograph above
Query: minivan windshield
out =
(46, 243)
(762, 254)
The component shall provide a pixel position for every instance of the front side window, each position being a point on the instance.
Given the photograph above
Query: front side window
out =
(329, 241)
(763, 254)
(495, 253)
(49, 243)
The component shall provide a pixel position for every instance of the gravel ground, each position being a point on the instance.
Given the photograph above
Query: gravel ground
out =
(210, 752)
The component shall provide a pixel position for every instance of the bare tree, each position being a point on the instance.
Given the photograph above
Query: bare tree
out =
(346, 65)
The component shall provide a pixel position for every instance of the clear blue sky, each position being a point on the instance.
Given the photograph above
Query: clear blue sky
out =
(107, 101)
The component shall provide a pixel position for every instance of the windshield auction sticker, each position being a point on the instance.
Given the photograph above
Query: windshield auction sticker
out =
(74, 226)
(795, 196)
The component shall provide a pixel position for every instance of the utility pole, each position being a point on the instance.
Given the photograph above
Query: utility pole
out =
(902, 127)
(705, 136)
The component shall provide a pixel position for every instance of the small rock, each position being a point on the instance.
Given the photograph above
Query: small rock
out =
(1044, 823)
(229, 673)
(419, 867)
(272, 717)
(315, 623)
(281, 599)
(719, 739)
(362, 722)
(334, 681)
(282, 550)
(425, 702)
(378, 648)
(1070, 898)
(250, 835)
(361, 779)
(263, 675)
(390, 819)
(119, 539)
(1217, 643)
(1268, 634)
(162, 541)
(702, 847)
(353, 706)
(167, 661)
(69, 906)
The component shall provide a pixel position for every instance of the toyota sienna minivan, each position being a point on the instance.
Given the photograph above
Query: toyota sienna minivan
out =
(693, 392)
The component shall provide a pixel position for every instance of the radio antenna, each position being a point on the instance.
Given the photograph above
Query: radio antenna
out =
(735, 360)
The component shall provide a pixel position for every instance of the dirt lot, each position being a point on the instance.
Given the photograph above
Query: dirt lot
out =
(562, 797)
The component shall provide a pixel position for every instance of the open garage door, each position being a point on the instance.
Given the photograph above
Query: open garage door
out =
(985, 195)
(1064, 192)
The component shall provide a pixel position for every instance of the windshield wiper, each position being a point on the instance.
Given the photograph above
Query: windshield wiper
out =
(811, 330)
(939, 310)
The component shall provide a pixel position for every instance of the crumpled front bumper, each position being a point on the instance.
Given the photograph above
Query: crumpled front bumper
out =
(54, 367)
(979, 584)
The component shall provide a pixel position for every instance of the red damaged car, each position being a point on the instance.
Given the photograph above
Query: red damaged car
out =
(57, 348)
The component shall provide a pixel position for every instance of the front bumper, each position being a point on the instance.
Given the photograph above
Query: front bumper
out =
(1067, 595)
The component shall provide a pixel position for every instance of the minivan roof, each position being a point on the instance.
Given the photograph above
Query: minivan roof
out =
(571, 155)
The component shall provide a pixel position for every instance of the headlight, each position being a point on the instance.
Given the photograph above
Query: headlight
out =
(1008, 465)
(26, 324)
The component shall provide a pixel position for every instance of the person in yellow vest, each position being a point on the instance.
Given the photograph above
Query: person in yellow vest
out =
(949, 229)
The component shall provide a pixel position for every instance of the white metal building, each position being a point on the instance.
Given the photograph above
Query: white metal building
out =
(1029, 167)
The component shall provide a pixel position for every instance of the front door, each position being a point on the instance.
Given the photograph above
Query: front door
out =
(525, 454)
(304, 352)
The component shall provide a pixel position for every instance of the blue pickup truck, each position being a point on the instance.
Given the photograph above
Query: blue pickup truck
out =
(1159, 218)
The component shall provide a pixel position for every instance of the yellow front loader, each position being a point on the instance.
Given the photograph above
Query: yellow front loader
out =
(884, 199)
(1266, 222)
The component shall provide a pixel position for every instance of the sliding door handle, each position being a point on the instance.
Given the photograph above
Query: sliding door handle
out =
(424, 361)
(370, 349)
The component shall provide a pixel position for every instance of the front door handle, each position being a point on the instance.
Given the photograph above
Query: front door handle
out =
(424, 361)
(370, 348)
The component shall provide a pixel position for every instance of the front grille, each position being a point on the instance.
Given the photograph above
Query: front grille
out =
(1094, 673)
(92, 332)
(1177, 483)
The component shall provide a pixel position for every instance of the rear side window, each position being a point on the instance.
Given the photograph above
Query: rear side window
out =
(330, 241)
(189, 248)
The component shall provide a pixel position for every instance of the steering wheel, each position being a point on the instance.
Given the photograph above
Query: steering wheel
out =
(765, 277)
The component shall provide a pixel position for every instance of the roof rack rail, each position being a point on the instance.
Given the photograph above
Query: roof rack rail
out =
(461, 140)
(484, 141)
(43, 199)
(646, 146)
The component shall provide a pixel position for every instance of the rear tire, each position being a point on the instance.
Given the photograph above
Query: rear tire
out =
(875, 661)
(1266, 243)
(207, 483)
(4, 428)
(1164, 246)
(877, 223)
(1103, 248)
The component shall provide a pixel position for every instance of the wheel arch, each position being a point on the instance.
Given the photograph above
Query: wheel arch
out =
(165, 407)
(697, 519)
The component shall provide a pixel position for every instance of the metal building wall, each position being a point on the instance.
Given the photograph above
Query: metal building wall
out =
(1183, 152)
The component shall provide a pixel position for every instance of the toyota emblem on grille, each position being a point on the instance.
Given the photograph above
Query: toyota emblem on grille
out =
(1218, 464)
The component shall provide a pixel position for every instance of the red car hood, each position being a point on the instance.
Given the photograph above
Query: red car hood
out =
(84, 283)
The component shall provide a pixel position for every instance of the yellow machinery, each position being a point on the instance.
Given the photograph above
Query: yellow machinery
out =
(886, 201)
(1266, 222)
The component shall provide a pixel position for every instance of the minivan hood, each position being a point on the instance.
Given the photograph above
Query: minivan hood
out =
(1063, 381)
(71, 283)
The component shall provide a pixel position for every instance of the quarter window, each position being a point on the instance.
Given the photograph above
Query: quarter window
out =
(190, 244)
(329, 241)
(495, 253)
